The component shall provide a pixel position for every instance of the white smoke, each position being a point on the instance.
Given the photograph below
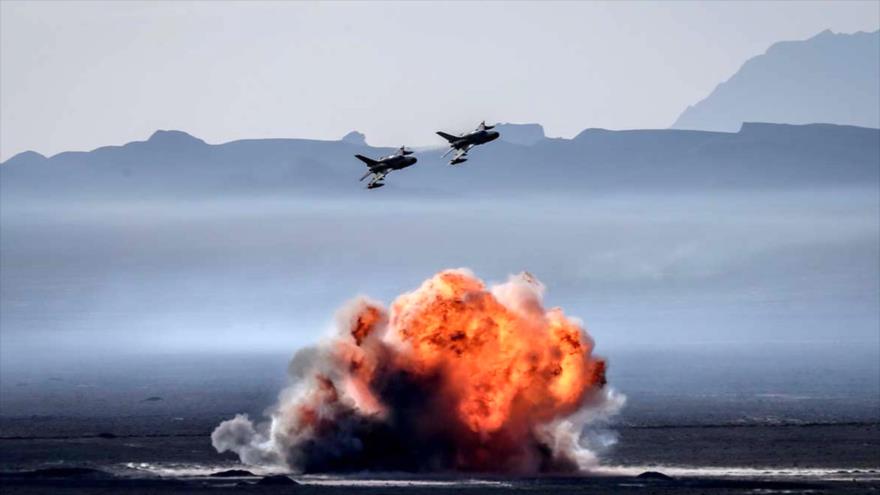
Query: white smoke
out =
(349, 430)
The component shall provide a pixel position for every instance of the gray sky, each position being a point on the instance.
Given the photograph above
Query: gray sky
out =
(78, 75)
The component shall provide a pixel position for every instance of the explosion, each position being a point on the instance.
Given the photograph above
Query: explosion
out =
(454, 376)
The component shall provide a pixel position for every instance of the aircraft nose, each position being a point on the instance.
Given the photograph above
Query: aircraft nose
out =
(411, 160)
(494, 135)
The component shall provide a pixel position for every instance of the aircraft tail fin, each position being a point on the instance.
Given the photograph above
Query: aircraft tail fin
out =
(369, 161)
(447, 136)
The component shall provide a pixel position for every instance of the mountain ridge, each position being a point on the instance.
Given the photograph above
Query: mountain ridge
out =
(178, 164)
(830, 77)
(355, 138)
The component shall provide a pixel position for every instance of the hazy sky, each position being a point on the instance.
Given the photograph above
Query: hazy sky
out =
(77, 75)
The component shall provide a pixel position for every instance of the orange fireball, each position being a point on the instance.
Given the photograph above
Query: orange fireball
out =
(454, 376)
(506, 363)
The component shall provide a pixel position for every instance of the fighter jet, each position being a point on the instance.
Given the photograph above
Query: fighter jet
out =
(463, 143)
(381, 167)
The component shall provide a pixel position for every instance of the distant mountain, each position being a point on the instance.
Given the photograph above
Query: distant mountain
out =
(355, 137)
(175, 164)
(830, 78)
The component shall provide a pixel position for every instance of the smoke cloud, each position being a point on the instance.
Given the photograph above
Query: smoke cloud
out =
(454, 376)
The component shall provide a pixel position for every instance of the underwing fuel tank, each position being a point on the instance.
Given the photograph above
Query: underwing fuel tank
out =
(456, 161)
(375, 185)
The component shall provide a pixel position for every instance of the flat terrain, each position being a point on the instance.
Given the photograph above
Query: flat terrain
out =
(726, 459)
(535, 486)
(825, 447)
(778, 425)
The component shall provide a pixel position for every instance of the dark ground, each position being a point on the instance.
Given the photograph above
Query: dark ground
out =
(829, 446)
(718, 428)
(559, 485)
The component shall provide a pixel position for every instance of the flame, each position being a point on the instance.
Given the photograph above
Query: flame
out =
(454, 375)
(366, 322)
(502, 367)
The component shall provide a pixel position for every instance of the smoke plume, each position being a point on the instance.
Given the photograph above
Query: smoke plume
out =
(454, 376)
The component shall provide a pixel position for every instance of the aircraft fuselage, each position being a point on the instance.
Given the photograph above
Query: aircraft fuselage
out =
(394, 162)
(474, 138)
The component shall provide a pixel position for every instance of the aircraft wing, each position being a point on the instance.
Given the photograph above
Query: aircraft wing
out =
(459, 152)
(376, 181)
(461, 156)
